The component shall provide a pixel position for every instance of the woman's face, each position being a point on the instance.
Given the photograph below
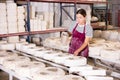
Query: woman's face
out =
(80, 19)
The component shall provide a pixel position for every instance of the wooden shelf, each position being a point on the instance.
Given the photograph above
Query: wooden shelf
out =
(96, 26)
(48, 31)
(34, 32)
(14, 34)
(66, 1)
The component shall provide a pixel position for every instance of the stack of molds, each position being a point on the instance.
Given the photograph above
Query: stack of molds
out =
(37, 40)
(64, 38)
(94, 49)
(118, 37)
(111, 54)
(12, 17)
(3, 20)
(97, 33)
(43, 25)
(49, 73)
(98, 78)
(32, 12)
(19, 45)
(71, 77)
(27, 69)
(11, 63)
(105, 34)
(34, 23)
(40, 20)
(7, 46)
(93, 72)
(13, 39)
(75, 61)
(57, 43)
(97, 41)
(31, 50)
(76, 69)
(61, 58)
(5, 55)
(52, 42)
(25, 47)
(51, 55)
(38, 25)
(3, 41)
(41, 52)
(113, 36)
(21, 18)
(9, 1)
(90, 73)
(51, 20)
(48, 17)
(112, 44)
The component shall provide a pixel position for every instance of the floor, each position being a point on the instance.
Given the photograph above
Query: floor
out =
(5, 76)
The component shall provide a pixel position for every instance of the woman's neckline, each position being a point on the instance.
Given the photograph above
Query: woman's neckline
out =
(81, 25)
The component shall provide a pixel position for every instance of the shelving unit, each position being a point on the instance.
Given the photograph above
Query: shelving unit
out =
(50, 30)
(74, 2)
(102, 14)
(98, 59)
(48, 1)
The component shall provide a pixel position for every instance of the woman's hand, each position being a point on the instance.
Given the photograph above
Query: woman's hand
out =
(76, 52)
(86, 42)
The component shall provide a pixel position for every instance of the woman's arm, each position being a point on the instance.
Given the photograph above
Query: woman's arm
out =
(86, 42)
(69, 33)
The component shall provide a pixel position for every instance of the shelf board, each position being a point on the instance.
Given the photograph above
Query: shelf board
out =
(48, 31)
(34, 32)
(67, 1)
(14, 34)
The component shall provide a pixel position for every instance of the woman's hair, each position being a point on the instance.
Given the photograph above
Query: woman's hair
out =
(82, 12)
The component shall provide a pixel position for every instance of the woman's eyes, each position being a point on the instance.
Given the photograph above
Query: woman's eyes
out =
(79, 18)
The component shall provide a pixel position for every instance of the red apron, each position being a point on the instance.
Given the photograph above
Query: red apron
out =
(76, 41)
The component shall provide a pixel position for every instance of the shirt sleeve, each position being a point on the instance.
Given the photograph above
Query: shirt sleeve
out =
(70, 29)
(89, 31)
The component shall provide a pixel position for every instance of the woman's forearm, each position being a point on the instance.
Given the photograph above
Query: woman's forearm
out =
(86, 42)
(80, 49)
(82, 46)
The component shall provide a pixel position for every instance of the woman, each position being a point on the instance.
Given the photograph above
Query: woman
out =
(81, 34)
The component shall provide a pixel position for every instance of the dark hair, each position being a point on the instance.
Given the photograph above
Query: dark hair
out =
(82, 12)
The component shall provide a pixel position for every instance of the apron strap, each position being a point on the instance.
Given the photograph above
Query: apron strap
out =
(84, 29)
(75, 27)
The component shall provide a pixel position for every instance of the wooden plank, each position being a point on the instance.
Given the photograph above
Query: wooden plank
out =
(14, 34)
(48, 31)
(66, 1)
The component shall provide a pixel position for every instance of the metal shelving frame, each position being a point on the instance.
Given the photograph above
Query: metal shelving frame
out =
(74, 2)
(105, 17)
(29, 32)
(114, 72)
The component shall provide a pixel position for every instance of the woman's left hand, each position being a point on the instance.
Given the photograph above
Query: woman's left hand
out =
(76, 52)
